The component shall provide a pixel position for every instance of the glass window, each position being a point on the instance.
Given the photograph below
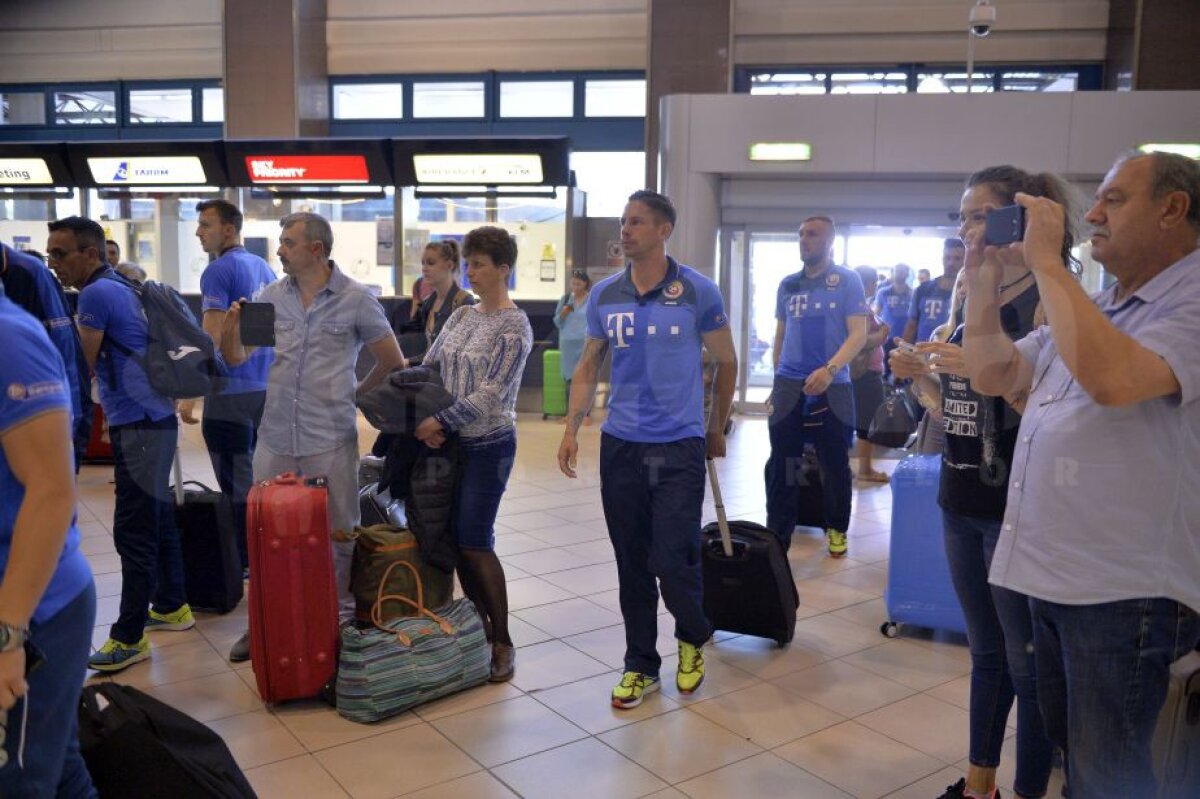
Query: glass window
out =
(22, 108)
(788, 83)
(152, 106)
(953, 82)
(1039, 81)
(458, 100)
(212, 104)
(868, 83)
(540, 98)
(615, 98)
(608, 179)
(368, 101)
(85, 107)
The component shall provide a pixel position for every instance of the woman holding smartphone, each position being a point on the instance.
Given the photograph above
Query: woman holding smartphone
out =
(481, 352)
(980, 436)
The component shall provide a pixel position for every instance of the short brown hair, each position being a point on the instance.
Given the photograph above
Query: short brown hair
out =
(227, 212)
(494, 242)
(660, 204)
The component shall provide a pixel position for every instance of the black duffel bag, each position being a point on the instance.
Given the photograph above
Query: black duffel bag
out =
(134, 745)
(893, 422)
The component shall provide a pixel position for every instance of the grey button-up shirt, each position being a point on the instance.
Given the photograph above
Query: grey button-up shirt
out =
(1104, 503)
(310, 388)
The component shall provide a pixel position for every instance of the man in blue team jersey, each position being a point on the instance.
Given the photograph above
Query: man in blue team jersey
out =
(231, 418)
(654, 316)
(821, 324)
(47, 597)
(931, 300)
(144, 432)
(891, 304)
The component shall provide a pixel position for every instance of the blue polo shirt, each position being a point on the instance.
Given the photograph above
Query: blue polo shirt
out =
(30, 284)
(33, 381)
(814, 312)
(234, 275)
(893, 306)
(656, 337)
(112, 307)
(930, 307)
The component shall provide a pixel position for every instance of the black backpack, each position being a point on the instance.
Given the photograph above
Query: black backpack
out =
(134, 745)
(181, 361)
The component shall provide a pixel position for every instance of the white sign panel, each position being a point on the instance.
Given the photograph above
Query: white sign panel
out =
(489, 170)
(174, 170)
(25, 172)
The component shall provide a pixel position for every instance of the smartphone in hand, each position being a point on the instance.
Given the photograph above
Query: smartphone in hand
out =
(1004, 225)
(258, 324)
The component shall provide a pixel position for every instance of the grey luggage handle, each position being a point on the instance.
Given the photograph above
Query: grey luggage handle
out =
(722, 521)
(177, 469)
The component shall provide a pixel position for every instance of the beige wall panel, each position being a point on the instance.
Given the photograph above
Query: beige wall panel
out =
(382, 9)
(511, 57)
(755, 17)
(1040, 47)
(92, 66)
(61, 14)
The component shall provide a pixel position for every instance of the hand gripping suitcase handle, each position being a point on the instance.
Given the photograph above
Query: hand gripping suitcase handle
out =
(722, 521)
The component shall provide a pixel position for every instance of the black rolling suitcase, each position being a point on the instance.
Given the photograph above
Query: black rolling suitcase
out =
(748, 585)
(1176, 745)
(212, 567)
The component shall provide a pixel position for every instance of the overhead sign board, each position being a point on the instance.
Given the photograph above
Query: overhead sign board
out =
(25, 172)
(168, 170)
(307, 169)
(478, 168)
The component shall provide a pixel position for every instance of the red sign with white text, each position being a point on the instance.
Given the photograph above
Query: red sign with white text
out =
(307, 169)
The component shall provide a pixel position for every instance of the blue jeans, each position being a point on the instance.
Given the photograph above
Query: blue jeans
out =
(652, 495)
(230, 429)
(1103, 672)
(144, 529)
(485, 471)
(827, 422)
(1000, 632)
(52, 765)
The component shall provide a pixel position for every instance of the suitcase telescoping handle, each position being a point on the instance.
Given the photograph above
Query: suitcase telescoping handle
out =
(177, 468)
(722, 521)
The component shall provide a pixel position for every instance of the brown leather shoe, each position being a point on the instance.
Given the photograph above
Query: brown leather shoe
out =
(504, 659)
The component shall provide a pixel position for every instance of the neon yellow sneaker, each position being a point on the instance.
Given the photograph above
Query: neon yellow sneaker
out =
(114, 655)
(836, 540)
(632, 687)
(691, 668)
(179, 619)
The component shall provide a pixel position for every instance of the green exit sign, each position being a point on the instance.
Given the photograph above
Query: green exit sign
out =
(781, 151)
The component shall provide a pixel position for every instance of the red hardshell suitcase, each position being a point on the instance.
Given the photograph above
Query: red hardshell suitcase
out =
(99, 446)
(293, 601)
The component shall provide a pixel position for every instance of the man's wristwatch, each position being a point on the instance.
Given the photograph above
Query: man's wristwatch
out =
(12, 637)
(832, 368)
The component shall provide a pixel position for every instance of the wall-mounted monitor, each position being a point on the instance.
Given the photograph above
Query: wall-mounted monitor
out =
(308, 162)
(483, 162)
(147, 165)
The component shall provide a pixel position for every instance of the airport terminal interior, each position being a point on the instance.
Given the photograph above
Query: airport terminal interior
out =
(407, 123)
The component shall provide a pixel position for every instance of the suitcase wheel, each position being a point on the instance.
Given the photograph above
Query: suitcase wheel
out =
(890, 629)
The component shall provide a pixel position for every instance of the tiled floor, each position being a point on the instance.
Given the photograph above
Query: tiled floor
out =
(841, 712)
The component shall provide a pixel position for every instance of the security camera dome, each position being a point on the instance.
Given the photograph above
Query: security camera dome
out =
(982, 18)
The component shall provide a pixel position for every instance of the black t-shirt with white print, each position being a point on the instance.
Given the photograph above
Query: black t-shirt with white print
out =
(981, 432)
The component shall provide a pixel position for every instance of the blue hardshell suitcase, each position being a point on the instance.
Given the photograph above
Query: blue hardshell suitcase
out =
(919, 589)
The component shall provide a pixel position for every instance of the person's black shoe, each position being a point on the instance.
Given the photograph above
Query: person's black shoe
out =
(240, 652)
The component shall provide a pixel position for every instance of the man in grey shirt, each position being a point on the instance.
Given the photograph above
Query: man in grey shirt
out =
(309, 424)
(1102, 529)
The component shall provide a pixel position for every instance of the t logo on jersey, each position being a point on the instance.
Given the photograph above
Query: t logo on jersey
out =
(617, 327)
(797, 304)
(933, 308)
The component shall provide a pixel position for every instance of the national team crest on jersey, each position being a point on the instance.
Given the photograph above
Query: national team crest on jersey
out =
(832, 281)
(674, 290)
